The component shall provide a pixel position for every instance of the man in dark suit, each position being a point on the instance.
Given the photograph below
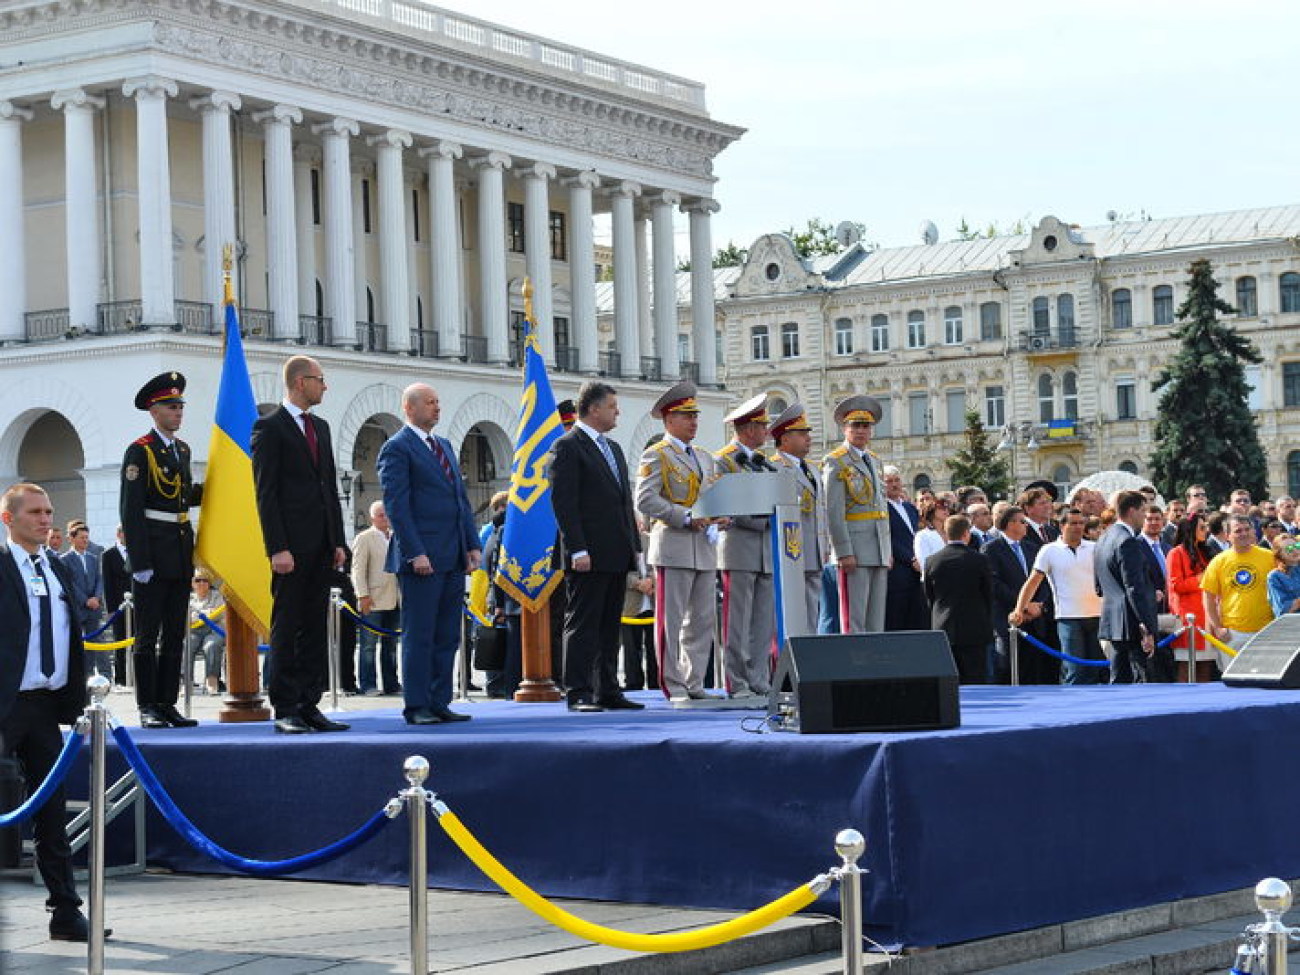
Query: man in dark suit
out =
(1155, 549)
(156, 496)
(88, 584)
(434, 544)
(42, 685)
(592, 499)
(115, 570)
(905, 607)
(302, 523)
(1128, 602)
(959, 584)
(1010, 563)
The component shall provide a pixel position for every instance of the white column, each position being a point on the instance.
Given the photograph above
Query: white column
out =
(395, 284)
(13, 248)
(81, 215)
(340, 293)
(218, 191)
(492, 254)
(703, 323)
(627, 338)
(153, 177)
(361, 170)
(411, 181)
(444, 246)
(645, 330)
(582, 270)
(665, 281)
(305, 159)
(281, 233)
(537, 248)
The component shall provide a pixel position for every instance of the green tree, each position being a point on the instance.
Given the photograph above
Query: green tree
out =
(817, 238)
(730, 256)
(978, 463)
(1205, 431)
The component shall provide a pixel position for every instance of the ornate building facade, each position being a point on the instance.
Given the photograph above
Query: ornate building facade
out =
(1053, 336)
(388, 173)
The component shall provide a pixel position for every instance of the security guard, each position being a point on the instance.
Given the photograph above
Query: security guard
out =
(792, 435)
(671, 475)
(745, 558)
(858, 520)
(157, 494)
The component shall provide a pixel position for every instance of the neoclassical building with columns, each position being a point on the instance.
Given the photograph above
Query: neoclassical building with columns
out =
(388, 174)
(1054, 336)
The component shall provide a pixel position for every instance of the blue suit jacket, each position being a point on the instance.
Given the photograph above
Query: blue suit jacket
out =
(1128, 598)
(430, 513)
(85, 584)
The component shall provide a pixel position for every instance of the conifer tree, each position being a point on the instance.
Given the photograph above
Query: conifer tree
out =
(1205, 432)
(977, 463)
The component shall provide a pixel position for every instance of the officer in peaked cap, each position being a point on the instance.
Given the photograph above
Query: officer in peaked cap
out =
(669, 479)
(853, 484)
(792, 435)
(568, 413)
(157, 494)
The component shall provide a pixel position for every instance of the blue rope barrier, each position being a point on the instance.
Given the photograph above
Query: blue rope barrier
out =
(378, 630)
(191, 834)
(212, 626)
(103, 629)
(1069, 657)
(1171, 637)
(52, 782)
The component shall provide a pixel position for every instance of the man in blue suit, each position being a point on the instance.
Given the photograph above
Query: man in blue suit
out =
(433, 546)
(1128, 595)
(88, 584)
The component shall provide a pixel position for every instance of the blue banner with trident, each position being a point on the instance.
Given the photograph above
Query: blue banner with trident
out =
(524, 569)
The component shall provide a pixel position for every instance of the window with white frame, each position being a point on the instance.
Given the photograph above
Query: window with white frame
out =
(1121, 308)
(790, 340)
(879, 333)
(1289, 291)
(916, 330)
(1162, 304)
(759, 344)
(1254, 395)
(1042, 316)
(1046, 399)
(1065, 318)
(995, 407)
(884, 425)
(990, 321)
(918, 412)
(1247, 297)
(1126, 398)
(1070, 395)
(952, 330)
(955, 401)
(844, 336)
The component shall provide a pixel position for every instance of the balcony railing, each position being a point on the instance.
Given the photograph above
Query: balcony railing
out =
(609, 364)
(258, 322)
(314, 330)
(1046, 341)
(690, 370)
(651, 368)
(194, 317)
(424, 343)
(476, 348)
(371, 337)
(116, 317)
(566, 358)
(42, 326)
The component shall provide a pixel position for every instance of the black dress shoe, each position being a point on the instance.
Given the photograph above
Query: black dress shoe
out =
(149, 718)
(421, 716)
(173, 717)
(69, 924)
(620, 703)
(449, 716)
(318, 722)
(293, 724)
(584, 705)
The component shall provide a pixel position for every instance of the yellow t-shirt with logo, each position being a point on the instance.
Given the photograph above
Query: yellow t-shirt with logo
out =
(1241, 583)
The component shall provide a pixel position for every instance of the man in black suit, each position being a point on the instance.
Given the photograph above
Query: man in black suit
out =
(1010, 562)
(905, 607)
(959, 584)
(115, 568)
(302, 523)
(42, 684)
(1155, 550)
(1036, 501)
(1128, 601)
(592, 499)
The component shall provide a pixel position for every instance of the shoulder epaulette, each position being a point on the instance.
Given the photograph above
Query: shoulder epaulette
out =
(729, 449)
(837, 453)
(142, 442)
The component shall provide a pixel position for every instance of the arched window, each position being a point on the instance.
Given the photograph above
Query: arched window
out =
(1289, 286)
(1247, 297)
(879, 333)
(921, 482)
(1065, 319)
(952, 329)
(1042, 317)
(990, 321)
(1070, 395)
(776, 405)
(1046, 399)
(1121, 308)
(916, 330)
(1128, 467)
(843, 336)
(1162, 305)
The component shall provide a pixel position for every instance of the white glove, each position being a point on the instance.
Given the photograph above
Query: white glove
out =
(143, 576)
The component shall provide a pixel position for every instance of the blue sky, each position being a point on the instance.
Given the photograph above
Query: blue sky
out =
(893, 114)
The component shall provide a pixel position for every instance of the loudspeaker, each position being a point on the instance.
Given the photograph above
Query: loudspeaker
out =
(905, 681)
(1270, 659)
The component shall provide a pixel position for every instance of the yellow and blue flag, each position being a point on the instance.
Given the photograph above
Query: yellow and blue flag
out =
(524, 567)
(230, 533)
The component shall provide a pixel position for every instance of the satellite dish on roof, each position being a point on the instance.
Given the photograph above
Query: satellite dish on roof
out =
(847, 233)
(929, 232)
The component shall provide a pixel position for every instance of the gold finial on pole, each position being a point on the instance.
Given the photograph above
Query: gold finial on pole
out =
(227, 264)
(528, 299)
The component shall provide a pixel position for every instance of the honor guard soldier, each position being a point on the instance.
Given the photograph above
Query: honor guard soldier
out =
(681, 550)
(853, 485)
(157, 494)
(793, 438)
(745, 558)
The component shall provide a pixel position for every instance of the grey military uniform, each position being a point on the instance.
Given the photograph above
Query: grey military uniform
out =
(748, 597)
(859, 526)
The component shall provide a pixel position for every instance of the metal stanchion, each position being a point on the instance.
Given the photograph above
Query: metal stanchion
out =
(850, 845)
(97, 718)
(128, 613)
(187, 660)
(416, 770)
(334, 643)
(463, 660)
(1273, 897)
(1190, 620)
(1014, 633)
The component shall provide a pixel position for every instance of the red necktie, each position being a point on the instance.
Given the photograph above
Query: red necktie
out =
(309, 430)
(439, 453)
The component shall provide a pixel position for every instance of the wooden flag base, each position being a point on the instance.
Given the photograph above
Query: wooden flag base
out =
(535, 635)
(244, 701)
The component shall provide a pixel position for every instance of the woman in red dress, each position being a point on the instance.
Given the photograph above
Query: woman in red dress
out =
(1186, 562)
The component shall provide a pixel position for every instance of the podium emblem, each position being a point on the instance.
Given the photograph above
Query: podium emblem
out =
(792, 540)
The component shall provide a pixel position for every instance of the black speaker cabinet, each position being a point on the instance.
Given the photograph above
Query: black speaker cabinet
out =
(903, 681)
(1270, 659)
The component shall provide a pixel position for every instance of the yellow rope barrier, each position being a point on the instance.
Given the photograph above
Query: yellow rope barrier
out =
(1218, 643)
(212, 616)
(714, 934)
(637, 620)
(101, 647)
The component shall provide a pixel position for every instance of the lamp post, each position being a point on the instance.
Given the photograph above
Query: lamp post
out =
(1012, 434)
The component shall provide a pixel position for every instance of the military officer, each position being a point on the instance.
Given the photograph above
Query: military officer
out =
(157, 494)
(671, 474)
(792, 435)
(745, 558)
(853, 486)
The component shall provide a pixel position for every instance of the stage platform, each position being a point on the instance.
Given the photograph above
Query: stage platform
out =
(1049, 804)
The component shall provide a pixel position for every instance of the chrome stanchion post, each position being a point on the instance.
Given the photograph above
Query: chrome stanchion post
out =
(1273, 898)
(187, 660)
(332, 630)
(416, 770)
(850, 845)
(128, 613)
(1190, 620)
(97, 717)
(1014, 633)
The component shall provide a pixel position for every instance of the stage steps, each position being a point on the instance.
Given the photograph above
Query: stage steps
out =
(1186, 937)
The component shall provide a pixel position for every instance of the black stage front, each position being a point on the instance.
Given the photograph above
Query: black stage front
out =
(1048, 804)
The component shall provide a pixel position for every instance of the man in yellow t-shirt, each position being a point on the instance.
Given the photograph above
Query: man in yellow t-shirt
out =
(1236, 590)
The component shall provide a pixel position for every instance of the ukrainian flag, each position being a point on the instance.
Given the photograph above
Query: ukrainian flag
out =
(230, 534)
(524, 567)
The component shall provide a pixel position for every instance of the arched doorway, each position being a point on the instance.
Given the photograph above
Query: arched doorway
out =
(365, 487)
(51, 456)
(485, 455)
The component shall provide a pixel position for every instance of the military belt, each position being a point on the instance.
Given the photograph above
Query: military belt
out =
(865, 516)
(176, 517)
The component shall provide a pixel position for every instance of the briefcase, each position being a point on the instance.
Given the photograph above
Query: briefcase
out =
(489, 647)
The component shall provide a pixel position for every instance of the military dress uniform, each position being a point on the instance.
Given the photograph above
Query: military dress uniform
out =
(812, 509)
(157, 492)
(745, 558)
(856, 515)
(669, 479)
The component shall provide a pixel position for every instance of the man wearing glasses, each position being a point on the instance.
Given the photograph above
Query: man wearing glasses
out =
(156, 496)
(1197, 499)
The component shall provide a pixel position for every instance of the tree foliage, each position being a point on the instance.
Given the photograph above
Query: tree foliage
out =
(1205, 432)
(978, 463)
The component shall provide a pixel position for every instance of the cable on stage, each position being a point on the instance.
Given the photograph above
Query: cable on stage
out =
(52, 782)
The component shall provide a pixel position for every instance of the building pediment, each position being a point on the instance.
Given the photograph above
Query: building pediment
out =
(774, 267)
